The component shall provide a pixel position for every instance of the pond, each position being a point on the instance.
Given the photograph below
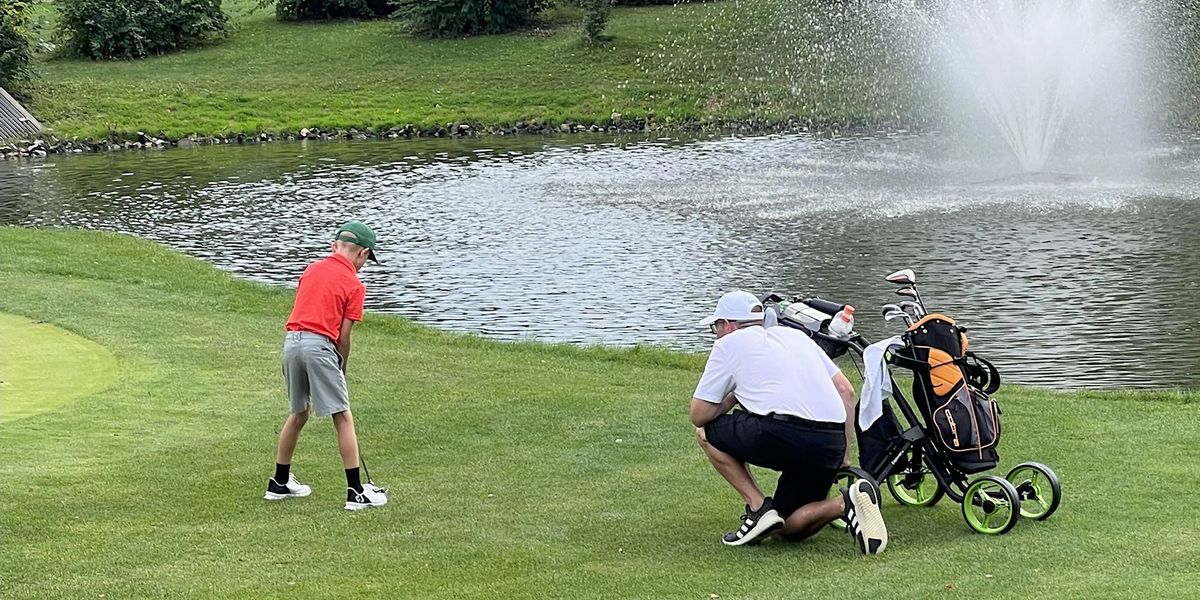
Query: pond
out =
(1084, 277)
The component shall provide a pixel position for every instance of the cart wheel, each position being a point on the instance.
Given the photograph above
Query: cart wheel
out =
(991, 505)
(915, 485)
(1038, 488)
(845, 476)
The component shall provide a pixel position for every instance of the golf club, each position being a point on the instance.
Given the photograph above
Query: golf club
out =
(903, 276)
(892, 312)
(908, 278)
(917, 310)
(898, 314)
(907, 292)
(362, 461)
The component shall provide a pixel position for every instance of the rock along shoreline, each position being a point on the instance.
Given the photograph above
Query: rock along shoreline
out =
(49, 144)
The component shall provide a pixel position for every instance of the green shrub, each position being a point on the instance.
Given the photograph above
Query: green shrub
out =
(15, 56)
(101, 29)
(595, 18)
(452, 18)
(290, 10)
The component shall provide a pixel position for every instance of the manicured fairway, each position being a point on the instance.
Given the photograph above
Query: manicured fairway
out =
(516, 470)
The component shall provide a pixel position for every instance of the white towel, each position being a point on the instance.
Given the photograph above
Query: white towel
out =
(771, 317)
(877, 383)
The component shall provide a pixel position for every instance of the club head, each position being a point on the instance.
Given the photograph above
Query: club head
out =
(887, 308)
(903, 276)
(897, 314)
(912, 307)
(906, 292)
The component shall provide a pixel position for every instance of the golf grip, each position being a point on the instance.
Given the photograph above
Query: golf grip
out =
(823, 305)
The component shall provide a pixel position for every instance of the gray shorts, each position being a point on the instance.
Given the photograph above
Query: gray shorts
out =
(313, 374)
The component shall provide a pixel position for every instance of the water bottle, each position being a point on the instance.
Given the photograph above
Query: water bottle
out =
(842, 324)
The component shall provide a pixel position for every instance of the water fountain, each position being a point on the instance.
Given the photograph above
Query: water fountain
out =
(1023, 85)
(1045, 73)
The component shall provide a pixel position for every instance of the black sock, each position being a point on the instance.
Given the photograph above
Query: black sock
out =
(281, 473)
(352, 480)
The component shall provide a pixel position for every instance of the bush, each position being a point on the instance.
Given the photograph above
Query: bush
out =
(292, 10)
(595, 18)
(101, 29)
(647, 2)
(452, 18)
(15, 57)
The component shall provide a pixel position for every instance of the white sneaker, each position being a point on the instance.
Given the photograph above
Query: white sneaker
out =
(370, 496)
(292, 489)
(756, 525)
(865, 522)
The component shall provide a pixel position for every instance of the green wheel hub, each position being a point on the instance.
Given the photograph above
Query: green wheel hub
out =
(991, 506)
(1038, 488)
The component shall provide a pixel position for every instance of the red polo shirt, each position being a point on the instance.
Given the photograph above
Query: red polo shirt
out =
(329, 291)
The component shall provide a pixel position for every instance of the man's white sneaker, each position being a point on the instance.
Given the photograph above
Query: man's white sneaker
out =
(370, 496)
(292, 489)
(756, 525)
(865, 522)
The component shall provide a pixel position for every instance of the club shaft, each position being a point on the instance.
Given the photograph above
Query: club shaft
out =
(362, 461)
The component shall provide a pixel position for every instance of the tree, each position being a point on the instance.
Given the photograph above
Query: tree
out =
(16, 58)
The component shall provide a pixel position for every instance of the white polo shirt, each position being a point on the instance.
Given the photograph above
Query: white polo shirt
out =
(773, 369)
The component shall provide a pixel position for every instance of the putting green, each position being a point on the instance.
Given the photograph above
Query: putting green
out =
(43, 367)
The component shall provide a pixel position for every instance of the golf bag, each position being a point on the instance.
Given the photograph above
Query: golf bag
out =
(952, 388)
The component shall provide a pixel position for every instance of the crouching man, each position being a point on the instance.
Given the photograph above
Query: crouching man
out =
(795, 418)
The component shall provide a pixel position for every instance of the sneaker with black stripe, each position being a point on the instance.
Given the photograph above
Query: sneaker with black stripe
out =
(756, 525)
(290, 489)
(371, 496)
(864, 520)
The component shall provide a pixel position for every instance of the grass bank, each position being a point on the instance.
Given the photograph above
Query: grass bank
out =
(517, 470)
(690, 62)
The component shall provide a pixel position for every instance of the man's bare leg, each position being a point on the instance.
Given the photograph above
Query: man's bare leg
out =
(736, 472)
(810, 518)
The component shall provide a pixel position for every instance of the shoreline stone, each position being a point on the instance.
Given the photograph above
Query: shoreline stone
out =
(49, 144)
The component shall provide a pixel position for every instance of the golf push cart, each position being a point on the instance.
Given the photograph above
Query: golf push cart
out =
(953, 425)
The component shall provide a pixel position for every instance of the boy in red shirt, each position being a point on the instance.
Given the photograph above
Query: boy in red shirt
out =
(329, 300)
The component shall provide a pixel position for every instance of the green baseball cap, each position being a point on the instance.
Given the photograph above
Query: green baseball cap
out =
(357, 232)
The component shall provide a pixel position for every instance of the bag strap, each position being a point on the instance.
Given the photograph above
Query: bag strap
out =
(993, 375)
(909, 363)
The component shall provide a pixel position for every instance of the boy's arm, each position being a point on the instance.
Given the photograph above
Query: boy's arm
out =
(352, 311)
(343, 343)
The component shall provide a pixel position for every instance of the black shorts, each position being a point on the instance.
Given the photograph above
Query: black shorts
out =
(806, 456)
